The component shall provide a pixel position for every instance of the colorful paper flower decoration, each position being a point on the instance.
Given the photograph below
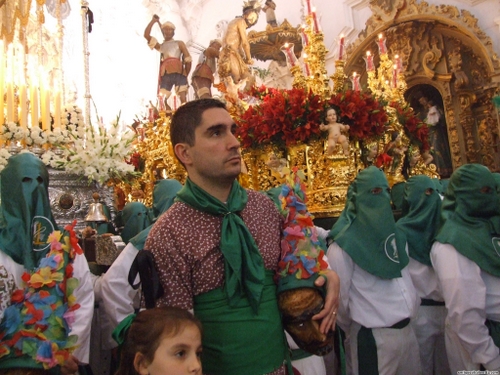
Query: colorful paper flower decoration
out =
(302, 252)
(37, 323)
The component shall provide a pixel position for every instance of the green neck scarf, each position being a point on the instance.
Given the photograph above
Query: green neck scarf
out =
(369, 236)
(164, 194)
(472, 217)
(25, 209)
(243, 263)
(421, 217)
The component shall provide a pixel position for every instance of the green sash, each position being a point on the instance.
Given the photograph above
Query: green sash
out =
(236, 340)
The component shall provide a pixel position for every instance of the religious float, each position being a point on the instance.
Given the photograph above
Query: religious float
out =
(410, 58)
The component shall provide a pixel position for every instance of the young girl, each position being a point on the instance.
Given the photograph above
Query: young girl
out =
(160, 341)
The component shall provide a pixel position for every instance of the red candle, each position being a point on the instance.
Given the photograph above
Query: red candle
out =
(287, 49)
(306, 68)
(394, 76)
(151, 115)
(308, 5)
(316, 24)
(369, 61)
(355, 81)
(175, 103)
(161, 102)
(341, 47)
(381, 44)
(399, 64)
(305, 39)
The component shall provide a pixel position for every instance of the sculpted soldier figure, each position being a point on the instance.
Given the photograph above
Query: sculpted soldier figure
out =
(175, 60)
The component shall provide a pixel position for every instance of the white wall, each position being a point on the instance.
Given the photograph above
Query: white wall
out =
(123, 70)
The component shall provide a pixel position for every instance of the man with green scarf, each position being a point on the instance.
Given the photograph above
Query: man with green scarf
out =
(421, 208)
(217, 249)
(377, 297)
(466, 257)
(27, 222)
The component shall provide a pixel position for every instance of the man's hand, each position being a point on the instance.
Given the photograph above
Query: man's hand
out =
(156, 17)
(250, 61)
(70, 366)
(329, 312)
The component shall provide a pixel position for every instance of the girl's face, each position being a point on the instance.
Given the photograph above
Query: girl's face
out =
(178, 355)
(331, 116)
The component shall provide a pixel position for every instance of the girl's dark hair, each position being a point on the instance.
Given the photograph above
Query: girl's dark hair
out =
(148, 329)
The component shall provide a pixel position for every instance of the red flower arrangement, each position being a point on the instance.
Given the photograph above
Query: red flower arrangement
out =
(137, 161)
(415, 129)
(293, 116)
(364, 114)
(282, 117)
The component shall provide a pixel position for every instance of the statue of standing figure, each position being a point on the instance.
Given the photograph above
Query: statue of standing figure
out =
(203, 75)
(235, 58)
(175, 60)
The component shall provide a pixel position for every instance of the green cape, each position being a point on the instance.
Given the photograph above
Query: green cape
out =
(27, 217)
(421, 217)
(472, 217)
(135, 217)
(369, 236)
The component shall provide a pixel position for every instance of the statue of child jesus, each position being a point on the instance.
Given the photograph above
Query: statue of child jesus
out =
(335, 130)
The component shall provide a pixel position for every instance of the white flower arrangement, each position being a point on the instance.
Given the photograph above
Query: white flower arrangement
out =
(99, 154)
(11, 131)
(72, 116)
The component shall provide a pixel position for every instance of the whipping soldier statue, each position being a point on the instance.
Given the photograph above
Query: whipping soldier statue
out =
(175, 60)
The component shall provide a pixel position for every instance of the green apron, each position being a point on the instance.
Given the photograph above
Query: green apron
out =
(237, 341)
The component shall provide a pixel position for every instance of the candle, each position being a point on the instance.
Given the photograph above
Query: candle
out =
(10, 101)
(369, 61)
(399, 64)
(175, 102)
(305, 39)
(341, 46)
(34, 105)
(43, 95)
(315, 20)
(161, 103)
(10, 83)
(57, 109)
(151, 115)
(308, 6)
(23, 110)
(287, 50)
(355, 81)
(45, 109)
(394, 76)
(381, 44)
(306, 66)
(2, 81)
